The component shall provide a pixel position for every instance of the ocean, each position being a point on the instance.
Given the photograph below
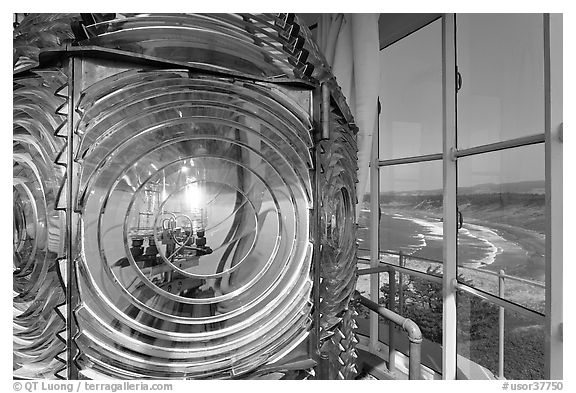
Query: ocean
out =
(420, 236)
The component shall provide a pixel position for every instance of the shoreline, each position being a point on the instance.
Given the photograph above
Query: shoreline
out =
(531, 267)
(532, 242)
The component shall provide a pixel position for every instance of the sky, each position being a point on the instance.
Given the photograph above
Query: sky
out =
(500, 58)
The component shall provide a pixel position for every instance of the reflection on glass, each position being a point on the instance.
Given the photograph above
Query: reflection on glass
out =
(501, 199)
(411, 95)
(500, 58)
(411, 221)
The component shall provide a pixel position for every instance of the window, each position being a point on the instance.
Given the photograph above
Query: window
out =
(470, 191)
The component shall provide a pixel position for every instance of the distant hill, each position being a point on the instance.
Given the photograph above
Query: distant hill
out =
(524, 187)
(519, 204)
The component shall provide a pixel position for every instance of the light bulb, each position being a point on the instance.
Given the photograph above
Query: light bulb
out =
(194, 196)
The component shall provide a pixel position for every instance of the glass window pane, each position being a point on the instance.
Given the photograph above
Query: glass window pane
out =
(477, 338)
(421, 301)
(411, 220)
(500, 59)
(364, 225)
(411, 95)
(363, 239)
(501, 197)
(478, 346)
(523, 347)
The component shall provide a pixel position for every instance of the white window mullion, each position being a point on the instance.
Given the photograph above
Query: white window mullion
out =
(374, 238)
(553, 134)
(449, 197)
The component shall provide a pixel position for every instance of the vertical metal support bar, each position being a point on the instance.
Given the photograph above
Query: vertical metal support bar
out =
(449, 197)
(316, 261)
(553, 134)
(71, 290)
(374, 238)
(400, 284)
(318, 118)
(414, 361)
(409, 327)
(501, 293)
(325, 111)
(391, 327)
(322, 359)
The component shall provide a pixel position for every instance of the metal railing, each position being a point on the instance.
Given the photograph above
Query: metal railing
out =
(409, 326)
(503, 304)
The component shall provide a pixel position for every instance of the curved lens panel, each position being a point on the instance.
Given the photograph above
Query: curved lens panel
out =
(338, 193)
(38, 229)
(194, 199)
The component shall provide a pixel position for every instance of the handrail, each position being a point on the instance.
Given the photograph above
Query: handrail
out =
(398, 253)
(488, 272)
(507, 304)
(498, 301)
(386, 267)
(513, 278)
(409, 326)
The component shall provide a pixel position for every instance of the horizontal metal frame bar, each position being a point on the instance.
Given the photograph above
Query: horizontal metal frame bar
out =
(513, 278)
(50, 56)
(410, 160)
(385, 268)
(488, 272)
(509, 144)
(508, 305)
(406, 256)
(491, 147)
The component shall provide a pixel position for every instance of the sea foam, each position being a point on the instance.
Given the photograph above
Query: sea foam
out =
(487, 237)
(433, 230)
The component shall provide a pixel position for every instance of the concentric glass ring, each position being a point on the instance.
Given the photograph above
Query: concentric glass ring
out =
(195, 202)
(38, 228)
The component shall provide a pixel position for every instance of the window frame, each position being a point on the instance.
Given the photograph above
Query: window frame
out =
(551, 138)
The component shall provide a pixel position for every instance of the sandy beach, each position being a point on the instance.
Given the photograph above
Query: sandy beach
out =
(525, 259)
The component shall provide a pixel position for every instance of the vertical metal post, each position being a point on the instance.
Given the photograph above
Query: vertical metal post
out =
(374, 239)
(74, 73)
(553, 133)
(391, 327)
(449, 196)
(414, 371)
(501, 293)
(325, 111)
(319, 108)
(322, 369)
(401, 284)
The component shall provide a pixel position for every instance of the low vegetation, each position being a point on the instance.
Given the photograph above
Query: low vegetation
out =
(477, 328)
